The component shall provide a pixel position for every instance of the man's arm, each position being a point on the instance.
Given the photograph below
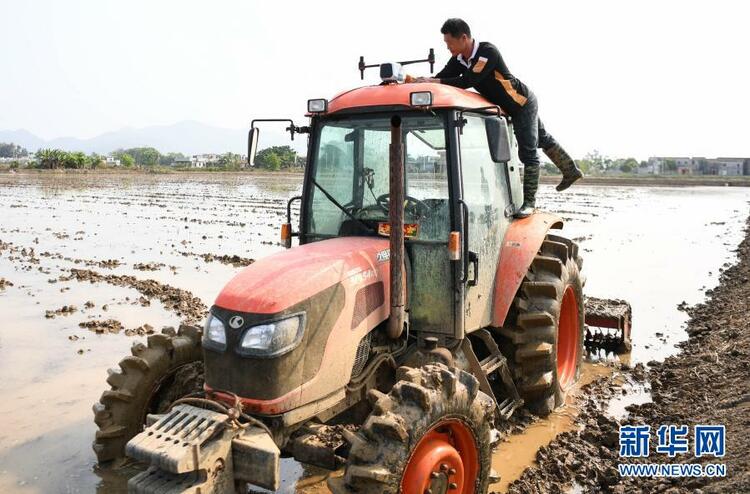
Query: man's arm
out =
(484, 65)
(452, 69)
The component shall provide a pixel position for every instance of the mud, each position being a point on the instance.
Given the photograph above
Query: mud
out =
(148, 266)
(181, 302)
(233, 260)
(100, 327)
(4, 283)
(708, 382)
(62, 311)
(636, 243)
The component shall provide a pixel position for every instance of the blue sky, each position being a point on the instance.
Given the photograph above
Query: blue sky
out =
(628, 78)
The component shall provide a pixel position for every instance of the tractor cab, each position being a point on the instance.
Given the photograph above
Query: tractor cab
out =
(461, 180)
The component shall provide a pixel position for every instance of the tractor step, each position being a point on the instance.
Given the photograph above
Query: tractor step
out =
(608, 324)
(493, 374)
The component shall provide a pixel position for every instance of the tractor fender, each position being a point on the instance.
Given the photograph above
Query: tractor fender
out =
(522, 241)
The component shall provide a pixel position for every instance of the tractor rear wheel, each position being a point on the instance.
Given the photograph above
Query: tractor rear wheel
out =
(545, 345)
(431, 433)
(167, 368)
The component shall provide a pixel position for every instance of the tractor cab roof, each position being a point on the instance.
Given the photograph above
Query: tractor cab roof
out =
(398, 95)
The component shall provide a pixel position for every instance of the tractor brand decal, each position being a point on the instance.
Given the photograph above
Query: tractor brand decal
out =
(410, 229)
(236, 322)
(511, 243)
(383, 255)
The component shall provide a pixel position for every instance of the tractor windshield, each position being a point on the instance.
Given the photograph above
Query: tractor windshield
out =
(350, 174)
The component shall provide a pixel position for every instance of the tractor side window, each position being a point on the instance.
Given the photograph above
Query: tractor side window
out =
(483, 179)
(335, 174)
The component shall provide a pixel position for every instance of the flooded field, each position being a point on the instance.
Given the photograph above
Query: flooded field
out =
(658, 248)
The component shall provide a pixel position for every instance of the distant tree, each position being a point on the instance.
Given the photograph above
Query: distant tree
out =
(550, 169)
(596, 162)
(95, 161)
(628, 165)
(286, 156)
(230, 161)
(144, 156)
(169, 158)
(126, 160)
(671, 165)
(10, 150)
(273, 161)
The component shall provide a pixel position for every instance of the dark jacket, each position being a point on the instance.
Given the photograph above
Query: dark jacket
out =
(488, 74)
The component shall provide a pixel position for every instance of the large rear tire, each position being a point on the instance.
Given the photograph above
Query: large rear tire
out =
(432, 430)
(168, 367)
(545, 345)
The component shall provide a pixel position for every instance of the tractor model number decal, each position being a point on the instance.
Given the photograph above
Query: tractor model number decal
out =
(383, 255)
(363, 276)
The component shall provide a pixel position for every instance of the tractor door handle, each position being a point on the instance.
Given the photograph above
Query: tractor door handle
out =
(474, 261)
(468, 256)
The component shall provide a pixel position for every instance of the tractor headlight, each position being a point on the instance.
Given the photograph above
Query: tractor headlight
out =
(273, 338)
(214, 334)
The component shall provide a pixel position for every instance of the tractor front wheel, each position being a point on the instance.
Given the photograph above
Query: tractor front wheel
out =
(165, 369)
(431, 433)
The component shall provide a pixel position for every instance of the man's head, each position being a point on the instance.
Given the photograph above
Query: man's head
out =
(457, 36)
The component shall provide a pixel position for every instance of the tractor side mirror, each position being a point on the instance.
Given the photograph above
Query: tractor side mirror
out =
(498, 139)
(252, 145)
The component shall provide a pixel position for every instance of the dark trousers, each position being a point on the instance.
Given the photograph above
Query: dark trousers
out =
(530, 135)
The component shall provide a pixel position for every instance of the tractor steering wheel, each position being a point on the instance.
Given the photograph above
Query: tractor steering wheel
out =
(419, 208)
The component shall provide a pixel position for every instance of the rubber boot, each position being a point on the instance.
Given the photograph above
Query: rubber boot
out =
(530, 186)
(565, 163)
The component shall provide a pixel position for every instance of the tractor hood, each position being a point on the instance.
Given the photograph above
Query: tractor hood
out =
(282, 280)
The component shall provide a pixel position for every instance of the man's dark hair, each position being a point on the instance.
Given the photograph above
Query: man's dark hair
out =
(455, 27)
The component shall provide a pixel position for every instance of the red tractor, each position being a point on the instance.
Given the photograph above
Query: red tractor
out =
(392, 340)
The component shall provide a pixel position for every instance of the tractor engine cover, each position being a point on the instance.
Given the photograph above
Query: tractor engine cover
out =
(338, 287)
(268, 378)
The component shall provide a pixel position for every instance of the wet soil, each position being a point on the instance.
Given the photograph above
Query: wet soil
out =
(62, 243)
(707, 382)
(181, 302)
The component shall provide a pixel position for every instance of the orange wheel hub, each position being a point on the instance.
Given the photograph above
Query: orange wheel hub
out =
(445, 460)
(567, 339)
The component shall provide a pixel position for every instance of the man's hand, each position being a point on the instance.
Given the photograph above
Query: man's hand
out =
(428, 79)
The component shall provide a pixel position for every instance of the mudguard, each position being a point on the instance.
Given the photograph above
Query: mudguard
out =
(522, 241)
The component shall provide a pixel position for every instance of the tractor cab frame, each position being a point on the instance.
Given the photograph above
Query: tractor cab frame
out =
(459, 162)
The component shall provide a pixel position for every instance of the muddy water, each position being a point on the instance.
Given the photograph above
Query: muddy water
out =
(655, 247)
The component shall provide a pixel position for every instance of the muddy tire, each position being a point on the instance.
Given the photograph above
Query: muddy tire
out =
(434, 416)
(168, 367)
(545, 345)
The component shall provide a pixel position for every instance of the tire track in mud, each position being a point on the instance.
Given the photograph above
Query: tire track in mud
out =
(179, 301)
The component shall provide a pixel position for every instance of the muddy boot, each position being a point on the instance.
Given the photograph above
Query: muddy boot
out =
(565, 163)
(530, 185)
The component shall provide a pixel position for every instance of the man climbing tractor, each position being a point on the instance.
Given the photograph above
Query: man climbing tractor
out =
(479, 65)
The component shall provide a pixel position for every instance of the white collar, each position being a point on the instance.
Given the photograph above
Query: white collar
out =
(460, 56)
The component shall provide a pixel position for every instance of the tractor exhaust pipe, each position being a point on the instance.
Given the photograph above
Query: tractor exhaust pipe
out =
(396, 219)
